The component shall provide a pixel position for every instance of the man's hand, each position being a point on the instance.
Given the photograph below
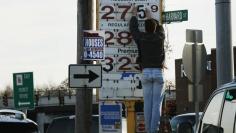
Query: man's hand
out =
(148, 14)
(134, 10)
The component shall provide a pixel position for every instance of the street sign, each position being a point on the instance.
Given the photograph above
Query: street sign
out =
(175, 16)
(23, 90)
(85, 76)
(110, 118)
(94, 45)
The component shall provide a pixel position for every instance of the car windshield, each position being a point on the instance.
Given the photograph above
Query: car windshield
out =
(67, 125)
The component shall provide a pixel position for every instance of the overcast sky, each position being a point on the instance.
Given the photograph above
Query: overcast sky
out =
(40, 36)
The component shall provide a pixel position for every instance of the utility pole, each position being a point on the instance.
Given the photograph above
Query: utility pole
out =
(224, 51)
(83, 108)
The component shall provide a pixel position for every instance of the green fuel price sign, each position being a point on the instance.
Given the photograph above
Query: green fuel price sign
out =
(23, 90)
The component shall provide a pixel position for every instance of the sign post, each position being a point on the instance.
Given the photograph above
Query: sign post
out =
(195, 62)
(23, 90)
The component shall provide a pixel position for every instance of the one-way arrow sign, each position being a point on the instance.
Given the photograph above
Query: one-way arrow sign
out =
(91, 76)
(85, 76)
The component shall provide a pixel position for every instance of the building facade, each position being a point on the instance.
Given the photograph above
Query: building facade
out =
(209, 82)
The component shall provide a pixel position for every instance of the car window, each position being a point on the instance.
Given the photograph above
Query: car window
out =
(67, 125)
(228, 114)
(62, 125)
(211, 115)
(181, 119)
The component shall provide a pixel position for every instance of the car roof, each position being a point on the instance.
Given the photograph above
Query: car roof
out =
(70, 117)
(11, 111)
(227, 85)
(10, 115)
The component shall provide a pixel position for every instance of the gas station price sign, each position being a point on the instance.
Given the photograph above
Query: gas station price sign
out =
(121, 50)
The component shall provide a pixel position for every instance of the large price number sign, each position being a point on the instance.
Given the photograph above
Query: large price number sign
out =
(118, 38)
(120, 63)
(123, 12)
(120, 49)
(114, 16)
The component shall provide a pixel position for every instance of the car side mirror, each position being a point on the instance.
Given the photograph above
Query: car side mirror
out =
(209, 128)
(184, 128)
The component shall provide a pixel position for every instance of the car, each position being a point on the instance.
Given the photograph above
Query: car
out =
(66, 124)
(219, 115)
(186, 118)
(14, 121)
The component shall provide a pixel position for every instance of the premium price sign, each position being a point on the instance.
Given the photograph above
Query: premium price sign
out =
(121, 74)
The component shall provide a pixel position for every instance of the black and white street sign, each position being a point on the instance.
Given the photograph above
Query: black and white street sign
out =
(85, 76)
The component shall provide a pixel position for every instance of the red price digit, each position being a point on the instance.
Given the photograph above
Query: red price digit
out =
(127, 61)
(124, 38)
(136, 66)
(110, 11)
(108, 40)
(126, 9)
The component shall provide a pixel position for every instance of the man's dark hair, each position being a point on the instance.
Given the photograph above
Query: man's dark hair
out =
(150, 25)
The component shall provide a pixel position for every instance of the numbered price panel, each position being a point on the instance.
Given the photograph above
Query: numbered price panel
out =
(121, 74)
(118, 60)
(120, 63)
(118, 38)
(114, 16)
(116, 10)
(121, 86)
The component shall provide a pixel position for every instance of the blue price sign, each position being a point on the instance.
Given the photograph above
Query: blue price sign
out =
(110, 118)
(94, 45)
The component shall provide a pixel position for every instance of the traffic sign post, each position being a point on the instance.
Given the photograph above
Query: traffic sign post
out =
(23, 90)
(85, 76)
(195, 62)
(194, 56)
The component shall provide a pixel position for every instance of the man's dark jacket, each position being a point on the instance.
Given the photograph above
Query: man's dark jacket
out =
(150, 45)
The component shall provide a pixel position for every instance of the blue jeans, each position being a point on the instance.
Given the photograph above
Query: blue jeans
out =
(152, 82)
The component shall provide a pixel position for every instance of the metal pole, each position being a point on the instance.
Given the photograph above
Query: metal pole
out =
(83, 108)
(196, 102)
(195, 84)
(224, 56)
